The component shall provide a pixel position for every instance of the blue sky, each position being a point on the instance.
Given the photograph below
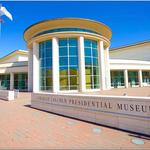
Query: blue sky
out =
(129, 21)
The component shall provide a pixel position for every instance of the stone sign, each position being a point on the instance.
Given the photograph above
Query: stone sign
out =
(118, 106)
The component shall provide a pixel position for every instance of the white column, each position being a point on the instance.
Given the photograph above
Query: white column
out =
(30, 70)
(55, 63)
(140, 78)
(35, 67)
(126, 78)
(107, 69)
(82, 82)
(11, 81)
(102, 65)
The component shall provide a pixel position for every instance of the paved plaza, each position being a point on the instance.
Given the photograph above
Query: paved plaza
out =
(24, 127)
(136, 91)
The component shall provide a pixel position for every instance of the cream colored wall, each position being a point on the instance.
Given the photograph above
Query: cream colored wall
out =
(120, 64)
(138, 52)
(12, 59)
(16, 58)
(13, 67)
(22, 58)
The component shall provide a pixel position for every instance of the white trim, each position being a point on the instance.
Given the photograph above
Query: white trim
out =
(81, 55)
(102, 65)
(55, 64)
(126, 82)
(11, 81)
(140, 78)
(35, 67)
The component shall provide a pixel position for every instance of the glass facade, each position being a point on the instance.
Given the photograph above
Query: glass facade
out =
(133, 78)
(5, 82)
(117, 78)
(21, 81)
(146, 77)
(66, 29)
(45, 58)
(68, 63)
(91, 64)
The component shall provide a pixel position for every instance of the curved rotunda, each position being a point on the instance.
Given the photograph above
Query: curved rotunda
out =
(68, 54)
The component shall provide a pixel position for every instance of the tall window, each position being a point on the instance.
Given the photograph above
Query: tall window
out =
(5, 82)
(21, 81)
(45, 58)
(68, 63)
(91, 64)
(133, 78)
(146, 77)
(117, 78)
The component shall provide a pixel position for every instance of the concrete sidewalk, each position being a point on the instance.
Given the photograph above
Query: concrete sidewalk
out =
(25, 127)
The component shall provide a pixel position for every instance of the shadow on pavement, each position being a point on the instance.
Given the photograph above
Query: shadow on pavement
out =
(130, 133)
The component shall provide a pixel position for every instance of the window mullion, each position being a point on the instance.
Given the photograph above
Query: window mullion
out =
(68, 64)
(92, 66)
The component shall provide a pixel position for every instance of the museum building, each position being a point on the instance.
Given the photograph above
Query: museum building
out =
(74, 55)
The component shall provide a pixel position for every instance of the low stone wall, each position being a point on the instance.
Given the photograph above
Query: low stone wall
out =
(123, 112)
(7, 95)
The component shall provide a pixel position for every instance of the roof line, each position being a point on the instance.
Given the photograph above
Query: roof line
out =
(130, 45)
(61, 18)
(13, 52)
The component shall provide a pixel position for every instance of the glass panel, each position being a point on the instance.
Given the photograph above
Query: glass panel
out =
(133, 78)
(73, 51)
(63, 81)
(45, 54)
(88, 79)
(96, 80)
(48, 62)
(95, 61)
(87, 51)
(66, 29)
(94, 44)
(95, 71)
(5, 82)
(43, 72)
(88, 61)
(21, 81)
(63, 71)
(48, 52)
(88, 70)
(73, 80)
(117, 78)
(63, 61)
(73, 71)
(42, 62)
(74, 87)
(94, 52)
(87, 43)
(146, 77)
(48, 44)
(63, 51)
(73, 61)
(62, 42)
(48, 72)
(91, 64)
(68, 65)
(73, 42)
(49, 81)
